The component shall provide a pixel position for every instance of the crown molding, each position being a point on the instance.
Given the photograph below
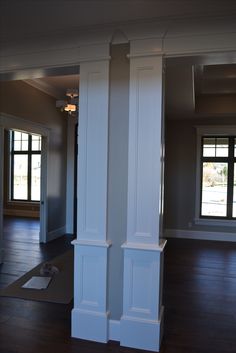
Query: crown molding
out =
(44, 87)
(172, 38)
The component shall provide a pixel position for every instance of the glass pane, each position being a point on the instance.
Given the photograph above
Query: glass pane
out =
(17, 140)
(36, 143)
(25, 138)
(17, 145)
(17, 135)
(234, 197)
(20, 141)
(222, 147)
(214, 189)
(35, 177)
(20, 178)
(209, 147)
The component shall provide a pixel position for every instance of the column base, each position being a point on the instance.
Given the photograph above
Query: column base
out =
(142, 334)
(90, 325)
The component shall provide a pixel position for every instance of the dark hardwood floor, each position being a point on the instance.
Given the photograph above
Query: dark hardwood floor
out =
(22, 250)
(199, 299)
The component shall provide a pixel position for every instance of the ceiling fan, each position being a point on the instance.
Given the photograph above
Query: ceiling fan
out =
(70, 105)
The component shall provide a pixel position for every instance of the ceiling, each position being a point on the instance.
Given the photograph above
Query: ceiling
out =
(29, 18)
(193, 85)
(200, 86)
(55, 86)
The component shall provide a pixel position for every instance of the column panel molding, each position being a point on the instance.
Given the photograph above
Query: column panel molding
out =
(93, 150)
(144, 171)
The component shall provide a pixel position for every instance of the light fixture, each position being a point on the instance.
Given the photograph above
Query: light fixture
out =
(70, 108)
(72, 105)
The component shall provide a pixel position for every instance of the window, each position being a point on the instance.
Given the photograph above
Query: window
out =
(218, 177)
(25, 153)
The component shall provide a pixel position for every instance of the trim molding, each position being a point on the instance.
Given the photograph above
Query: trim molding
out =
(201, 235)
(114, 330)
(141, 333)
(56, 233)
(140, 246)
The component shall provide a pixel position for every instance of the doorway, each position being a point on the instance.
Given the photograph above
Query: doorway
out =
(9, 124)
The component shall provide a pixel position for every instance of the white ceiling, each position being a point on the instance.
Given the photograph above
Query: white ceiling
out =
(55, 86)
(28, 18)
(192, 78)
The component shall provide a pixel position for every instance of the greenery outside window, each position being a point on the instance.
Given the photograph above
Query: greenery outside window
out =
(25, 171)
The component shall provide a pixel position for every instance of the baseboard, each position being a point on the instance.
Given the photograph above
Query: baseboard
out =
(94, 328)
(56, 233)
(20, 213)
(142, 334)
(114, 330)
(199, 234)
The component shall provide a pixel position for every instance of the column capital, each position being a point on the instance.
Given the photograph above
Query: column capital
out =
(94, 52)
(146, 47)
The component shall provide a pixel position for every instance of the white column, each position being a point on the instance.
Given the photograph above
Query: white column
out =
(90, 314)
(141, 322)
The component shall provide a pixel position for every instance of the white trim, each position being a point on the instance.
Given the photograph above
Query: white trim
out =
(90, 325)
(142, 334)
(93, 151)
(43, 235)
(201, 235)
(44, 87)
(151, 247)
(215, 222)
(201, 130)
(90, 314)
(114, 330)
(144, 156)
(103, 244)
(70, 174)
(9, 121)
(56, 233)
(145, 47)
(177, 37)
(142, 299)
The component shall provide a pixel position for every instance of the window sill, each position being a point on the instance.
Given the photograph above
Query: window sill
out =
(215, 222)
(23, 203)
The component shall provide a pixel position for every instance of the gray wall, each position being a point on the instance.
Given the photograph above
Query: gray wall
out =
(180, 173)
(117, 173)
(23, 101)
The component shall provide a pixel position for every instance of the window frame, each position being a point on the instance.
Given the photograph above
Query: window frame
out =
(210, 131)
(29, 152)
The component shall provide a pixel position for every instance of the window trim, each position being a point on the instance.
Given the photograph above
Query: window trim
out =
(29, 152)
(202, 131)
